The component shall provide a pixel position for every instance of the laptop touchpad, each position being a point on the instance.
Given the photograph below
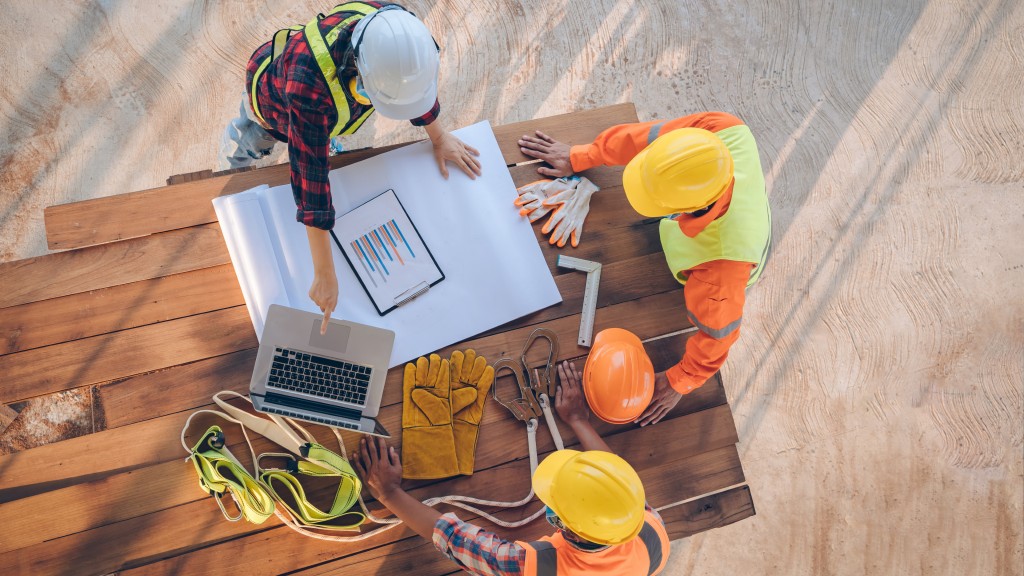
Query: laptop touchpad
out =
(335, 339)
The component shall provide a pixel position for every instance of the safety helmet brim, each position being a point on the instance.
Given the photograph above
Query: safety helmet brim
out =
(409, 111)
(636, 191)
(547, 470)
(683, 170)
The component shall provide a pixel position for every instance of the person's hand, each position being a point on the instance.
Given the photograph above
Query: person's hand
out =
(665, 398)
(549, 150)
(570, 403)
(448, 148)
(378, 466)
(324, 293)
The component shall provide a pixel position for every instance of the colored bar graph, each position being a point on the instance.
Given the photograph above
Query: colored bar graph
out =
(381, 244)
(395, 227)
(365, 262)
(375, 254)
(391, 242)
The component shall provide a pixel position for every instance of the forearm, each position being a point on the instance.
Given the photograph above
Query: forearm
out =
(320, 249)
(420, 517)
(435, 130)
(617, 145)
(588, 436)
(703, 357)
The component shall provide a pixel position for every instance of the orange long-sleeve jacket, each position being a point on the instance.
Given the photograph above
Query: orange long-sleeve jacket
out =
(715, 291)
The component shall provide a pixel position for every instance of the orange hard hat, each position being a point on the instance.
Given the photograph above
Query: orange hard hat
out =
(618, 379)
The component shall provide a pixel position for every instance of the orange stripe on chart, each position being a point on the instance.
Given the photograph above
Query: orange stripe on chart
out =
(395, 249)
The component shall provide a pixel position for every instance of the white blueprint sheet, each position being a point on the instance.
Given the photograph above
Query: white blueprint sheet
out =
(495, 271)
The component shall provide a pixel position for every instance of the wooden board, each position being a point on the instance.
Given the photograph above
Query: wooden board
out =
(153, 441)
(154, 340)
(163, 452)
(111, 218)
(119, 354)
(117, 308)
(63, 273)
(200, 522)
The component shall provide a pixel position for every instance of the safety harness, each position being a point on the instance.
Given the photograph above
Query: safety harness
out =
(283, 491)
(320, 46)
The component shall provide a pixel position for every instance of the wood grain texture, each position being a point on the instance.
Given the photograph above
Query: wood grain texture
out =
(652, 461)
(420, 557)
(135, 214)
(701, 468)
(155, 439)
(119, 354)
(141, 397)
(577, 127)
(117, 308)
(63, 273)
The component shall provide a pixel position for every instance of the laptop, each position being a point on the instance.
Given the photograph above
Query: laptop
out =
(335, 379)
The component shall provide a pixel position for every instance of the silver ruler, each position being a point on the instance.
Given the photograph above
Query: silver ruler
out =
(593, 270)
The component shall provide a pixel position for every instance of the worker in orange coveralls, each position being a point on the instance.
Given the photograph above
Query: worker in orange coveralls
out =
(702, 174)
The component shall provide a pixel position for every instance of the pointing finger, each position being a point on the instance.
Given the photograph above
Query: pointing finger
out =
(323, 325)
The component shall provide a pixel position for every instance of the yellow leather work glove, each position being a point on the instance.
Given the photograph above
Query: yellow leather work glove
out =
(428, 442)
(471, 380)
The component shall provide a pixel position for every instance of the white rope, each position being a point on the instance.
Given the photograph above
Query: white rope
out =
(291, 439)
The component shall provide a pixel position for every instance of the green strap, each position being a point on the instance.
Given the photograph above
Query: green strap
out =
(318, 46)
(288, 490)
(220, 472)
(280, 39)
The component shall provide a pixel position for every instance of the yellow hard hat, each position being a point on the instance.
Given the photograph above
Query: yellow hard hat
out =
(681, 171)
(596, 494)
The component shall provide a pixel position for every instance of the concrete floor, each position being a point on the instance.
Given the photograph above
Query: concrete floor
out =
(878, 386)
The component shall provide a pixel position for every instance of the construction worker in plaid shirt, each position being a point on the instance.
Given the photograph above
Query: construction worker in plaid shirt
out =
(594, 499)
(313, 83)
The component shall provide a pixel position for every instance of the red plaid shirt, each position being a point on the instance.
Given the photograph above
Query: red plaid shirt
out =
(297, 105)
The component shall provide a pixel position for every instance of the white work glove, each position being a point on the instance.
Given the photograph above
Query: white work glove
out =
(532, 196)
(570, 209)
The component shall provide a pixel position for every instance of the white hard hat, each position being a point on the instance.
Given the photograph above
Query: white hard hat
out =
(398, 61)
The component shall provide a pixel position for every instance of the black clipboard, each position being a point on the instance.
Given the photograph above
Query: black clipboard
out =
(364, 267)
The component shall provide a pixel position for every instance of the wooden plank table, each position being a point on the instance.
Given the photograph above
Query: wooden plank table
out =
(143, 312)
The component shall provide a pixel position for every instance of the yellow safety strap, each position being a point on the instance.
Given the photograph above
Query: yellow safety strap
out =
(319, 45)
(287, 488)
(280, 39)
(220, 472)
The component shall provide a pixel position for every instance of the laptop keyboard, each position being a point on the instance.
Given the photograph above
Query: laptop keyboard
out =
(318, 419)
(318, 376)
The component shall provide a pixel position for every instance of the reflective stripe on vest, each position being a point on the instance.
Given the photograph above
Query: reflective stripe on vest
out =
(654, 132)
(653, 544)
(547, 558)
(743, 233)
(319, 45)
(542, 555)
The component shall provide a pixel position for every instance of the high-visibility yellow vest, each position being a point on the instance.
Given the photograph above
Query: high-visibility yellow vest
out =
(743, 233)
(319, 45)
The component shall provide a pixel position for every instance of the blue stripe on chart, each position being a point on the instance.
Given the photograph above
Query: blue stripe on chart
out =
(370, 243)
(395, 224)
(365, 257)
(383, 245)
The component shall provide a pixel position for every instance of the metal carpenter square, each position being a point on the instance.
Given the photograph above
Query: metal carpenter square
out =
(593, 270)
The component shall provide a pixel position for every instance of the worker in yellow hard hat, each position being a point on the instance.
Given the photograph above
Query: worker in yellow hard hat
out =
(594, 500)
(701, 175)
